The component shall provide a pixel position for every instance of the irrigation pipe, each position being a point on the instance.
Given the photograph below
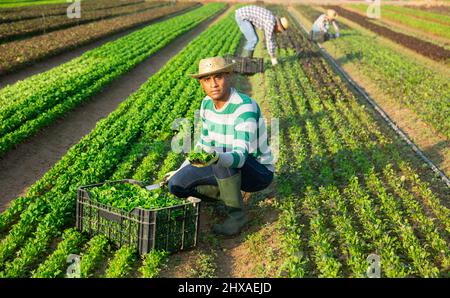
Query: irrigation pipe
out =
(380, 111)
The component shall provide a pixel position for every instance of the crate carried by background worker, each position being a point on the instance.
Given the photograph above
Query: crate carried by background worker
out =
(245, 65)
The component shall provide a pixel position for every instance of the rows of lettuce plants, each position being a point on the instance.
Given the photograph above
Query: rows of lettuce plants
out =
(37, 101)
(424, 90)
(345, 188)
(130, 143)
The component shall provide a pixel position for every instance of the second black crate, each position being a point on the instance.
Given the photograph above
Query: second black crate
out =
(246, 65)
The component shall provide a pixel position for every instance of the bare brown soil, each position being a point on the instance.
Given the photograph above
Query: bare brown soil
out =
(243, 255)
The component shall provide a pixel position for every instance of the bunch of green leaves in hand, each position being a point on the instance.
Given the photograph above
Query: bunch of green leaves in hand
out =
(202, 158)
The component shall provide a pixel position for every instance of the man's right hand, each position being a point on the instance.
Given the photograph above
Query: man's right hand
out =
(274, 61)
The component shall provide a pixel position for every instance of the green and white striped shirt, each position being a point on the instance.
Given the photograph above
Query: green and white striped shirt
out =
(237, 130)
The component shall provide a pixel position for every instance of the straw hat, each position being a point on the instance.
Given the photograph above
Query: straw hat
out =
(213, 65)
(332, 14)
(284, 22)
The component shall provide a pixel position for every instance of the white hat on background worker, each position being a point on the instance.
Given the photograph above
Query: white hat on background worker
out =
(331, 14)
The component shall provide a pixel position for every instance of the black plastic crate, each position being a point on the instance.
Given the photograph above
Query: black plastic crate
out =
(171, 228)
(246, 65)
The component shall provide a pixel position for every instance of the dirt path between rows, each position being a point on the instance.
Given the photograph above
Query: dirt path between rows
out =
(50, 62)
(28, 162)
(241, 256)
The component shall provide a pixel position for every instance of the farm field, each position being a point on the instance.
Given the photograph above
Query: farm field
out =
(20, 53)
(36, 12)
(30, 27)
(346, 186)
(50, 92)
(395, 87)
(422, 47)
(19, 3)
(349, 161)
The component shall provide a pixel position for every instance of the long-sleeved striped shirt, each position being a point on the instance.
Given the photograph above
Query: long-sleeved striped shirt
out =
(263, 19)
(237, 130)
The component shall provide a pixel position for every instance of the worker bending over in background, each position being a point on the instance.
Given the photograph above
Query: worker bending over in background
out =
(232, 126)
(251, 16)
(321, 26)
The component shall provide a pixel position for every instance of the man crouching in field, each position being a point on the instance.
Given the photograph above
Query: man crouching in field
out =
(232, 126)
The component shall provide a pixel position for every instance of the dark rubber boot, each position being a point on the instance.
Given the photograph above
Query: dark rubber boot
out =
(236, 220)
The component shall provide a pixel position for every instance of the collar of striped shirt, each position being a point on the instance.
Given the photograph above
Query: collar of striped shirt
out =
(234, 98)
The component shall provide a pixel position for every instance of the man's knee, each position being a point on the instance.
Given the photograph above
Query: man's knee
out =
(221, 172)
(254, 38)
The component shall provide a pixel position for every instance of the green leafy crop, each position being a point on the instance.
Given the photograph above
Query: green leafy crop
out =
(129, 196)
(35, 102)
(127, 143)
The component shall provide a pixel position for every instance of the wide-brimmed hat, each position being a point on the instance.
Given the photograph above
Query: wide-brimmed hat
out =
(284, 22)
(213, 65)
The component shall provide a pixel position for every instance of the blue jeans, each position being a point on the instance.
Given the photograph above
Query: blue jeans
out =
(249, 32)
(255, 177)
(315, 28)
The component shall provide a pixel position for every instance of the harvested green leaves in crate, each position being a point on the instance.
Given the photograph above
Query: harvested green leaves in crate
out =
(128, 196)
(128, 214)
